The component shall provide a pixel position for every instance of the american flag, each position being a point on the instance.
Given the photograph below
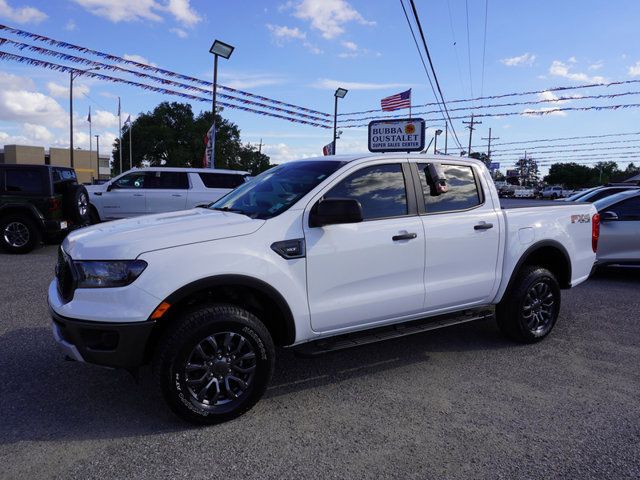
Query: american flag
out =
(396, 102)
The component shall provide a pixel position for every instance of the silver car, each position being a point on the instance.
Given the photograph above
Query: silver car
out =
(619, 228)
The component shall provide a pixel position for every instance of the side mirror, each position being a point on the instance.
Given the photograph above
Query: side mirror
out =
(439, 186)
(331, 211)
(609, 216)
(109, 187)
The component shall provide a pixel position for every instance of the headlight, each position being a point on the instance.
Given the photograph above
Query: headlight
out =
(108, 273)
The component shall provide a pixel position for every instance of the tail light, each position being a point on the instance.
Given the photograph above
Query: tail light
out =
(595, 232)
(54, 204)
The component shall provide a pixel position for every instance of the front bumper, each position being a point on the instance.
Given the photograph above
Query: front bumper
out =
(122, 345)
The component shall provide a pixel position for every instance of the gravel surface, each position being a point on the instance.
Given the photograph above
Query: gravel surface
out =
(456, 403)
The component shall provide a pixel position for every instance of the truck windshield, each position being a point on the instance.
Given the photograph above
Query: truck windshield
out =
(275, 190)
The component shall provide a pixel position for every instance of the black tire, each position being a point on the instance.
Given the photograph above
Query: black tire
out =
(75, 204)
(529, 310)
(94, 216)
(19, 234)
(183, 372)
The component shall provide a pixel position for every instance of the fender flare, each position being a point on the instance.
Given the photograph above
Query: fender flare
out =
(23, 208)
(244, 281)
(532, 249)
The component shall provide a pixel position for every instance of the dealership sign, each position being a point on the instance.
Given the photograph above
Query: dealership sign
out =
(398, 135)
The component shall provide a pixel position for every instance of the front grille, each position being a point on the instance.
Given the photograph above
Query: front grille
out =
(64, 275)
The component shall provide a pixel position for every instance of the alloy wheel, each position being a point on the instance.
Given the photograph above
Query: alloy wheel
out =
(220, 369)
(16, 234)
(539, 307)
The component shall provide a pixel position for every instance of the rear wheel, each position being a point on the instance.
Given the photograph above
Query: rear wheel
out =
(529, 311)
(215, 364)
(76, 204)
(18, 234)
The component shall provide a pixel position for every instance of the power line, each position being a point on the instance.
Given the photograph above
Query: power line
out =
(606, 142)
(455, 44)
(590, 149)
(433, 70)
(466, 4)
(484, 44)
(539, 140)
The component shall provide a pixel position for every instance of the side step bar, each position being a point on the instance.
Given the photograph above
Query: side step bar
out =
(380, 334)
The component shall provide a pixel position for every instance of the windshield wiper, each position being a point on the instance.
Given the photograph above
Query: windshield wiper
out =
(232, 210)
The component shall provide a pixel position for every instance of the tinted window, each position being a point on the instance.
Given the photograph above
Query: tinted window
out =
(221, 180)
(132, 180)
(63, 174)
(604, 193)
(166, 180)
(276, 189)
(462, 194)
(380, 190)
(628, 209)
(24, 181)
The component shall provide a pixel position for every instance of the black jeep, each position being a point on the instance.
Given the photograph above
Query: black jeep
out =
(39, 202)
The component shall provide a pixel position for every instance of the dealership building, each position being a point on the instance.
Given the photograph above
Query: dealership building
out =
(86, 164)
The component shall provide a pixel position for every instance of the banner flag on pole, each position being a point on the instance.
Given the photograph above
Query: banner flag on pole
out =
(209, 141)
(329, 149)
(89, 117)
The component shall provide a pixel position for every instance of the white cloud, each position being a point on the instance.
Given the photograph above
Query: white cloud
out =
(561, 69)
(282, 34)
(329, 84)
(19, 102)
(550, 97)
(179, 32)
(251, 80)
(21, 15)
(70, 26)
(62, 91)
(138, 58)
(281, 152)
(634, 70)
(183, 12)
(596, 65)
(329, 16)
(520, 60)
(105, 119)
(39, 133)
(350, 46)
(128, 11)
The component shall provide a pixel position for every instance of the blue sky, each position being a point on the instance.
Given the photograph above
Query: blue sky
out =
(299, 51)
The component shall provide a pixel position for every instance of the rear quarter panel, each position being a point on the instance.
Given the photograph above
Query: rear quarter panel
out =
(564, 224)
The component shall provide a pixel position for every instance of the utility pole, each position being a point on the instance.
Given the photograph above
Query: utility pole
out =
(471, 129)
(489, 147)
(98, 155)
(446, 136)
(260, 147)
(71, 119)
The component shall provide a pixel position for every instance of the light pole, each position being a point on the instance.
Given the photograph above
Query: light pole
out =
(72, 75)
(435, 141)
(224, 50)
(340, 93)
(97, 155)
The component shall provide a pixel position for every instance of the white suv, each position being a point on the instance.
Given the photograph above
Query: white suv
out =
(162, 189)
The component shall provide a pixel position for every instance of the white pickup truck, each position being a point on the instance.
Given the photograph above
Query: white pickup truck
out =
(318, 255)
(143, 191)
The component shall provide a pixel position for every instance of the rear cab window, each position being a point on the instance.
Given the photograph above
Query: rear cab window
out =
(463, 192)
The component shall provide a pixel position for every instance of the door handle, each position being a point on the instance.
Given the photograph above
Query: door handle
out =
(404, 236)
(138, 195)
(483, 226)
(176, 194)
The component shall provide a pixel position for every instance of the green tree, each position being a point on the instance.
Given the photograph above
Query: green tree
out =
(171, 135)
(528, 171)
(571, 175)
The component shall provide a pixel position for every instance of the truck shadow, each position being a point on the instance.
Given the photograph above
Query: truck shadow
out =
(46, 398)
(626, 274)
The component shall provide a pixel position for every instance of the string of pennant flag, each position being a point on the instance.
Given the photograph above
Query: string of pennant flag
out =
(108, 78)
(115, 68)
(157, 70)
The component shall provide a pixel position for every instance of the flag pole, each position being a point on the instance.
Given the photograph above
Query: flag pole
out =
(120, 134)
(90, 145)
(130, 144)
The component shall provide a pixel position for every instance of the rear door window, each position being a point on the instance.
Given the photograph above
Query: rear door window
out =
(24, 180)
(166, 180)
(462, 193)
(628, 210)
(221, 180)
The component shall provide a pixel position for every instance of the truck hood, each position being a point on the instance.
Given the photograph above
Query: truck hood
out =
(127, 239)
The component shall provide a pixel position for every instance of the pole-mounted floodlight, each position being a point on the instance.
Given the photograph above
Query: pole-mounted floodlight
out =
(72, 75)
(224, 50)
(221, 49)
(340, 93)
(435, 140)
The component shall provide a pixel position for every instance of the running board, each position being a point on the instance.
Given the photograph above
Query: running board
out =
(388, 332)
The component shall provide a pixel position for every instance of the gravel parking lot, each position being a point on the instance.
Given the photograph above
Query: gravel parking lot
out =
(456, 403)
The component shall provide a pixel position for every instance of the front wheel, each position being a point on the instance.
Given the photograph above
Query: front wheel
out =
(215, 364)
(18, 234)
(529, 310)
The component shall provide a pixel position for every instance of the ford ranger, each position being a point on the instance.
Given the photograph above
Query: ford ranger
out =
(317, 255)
